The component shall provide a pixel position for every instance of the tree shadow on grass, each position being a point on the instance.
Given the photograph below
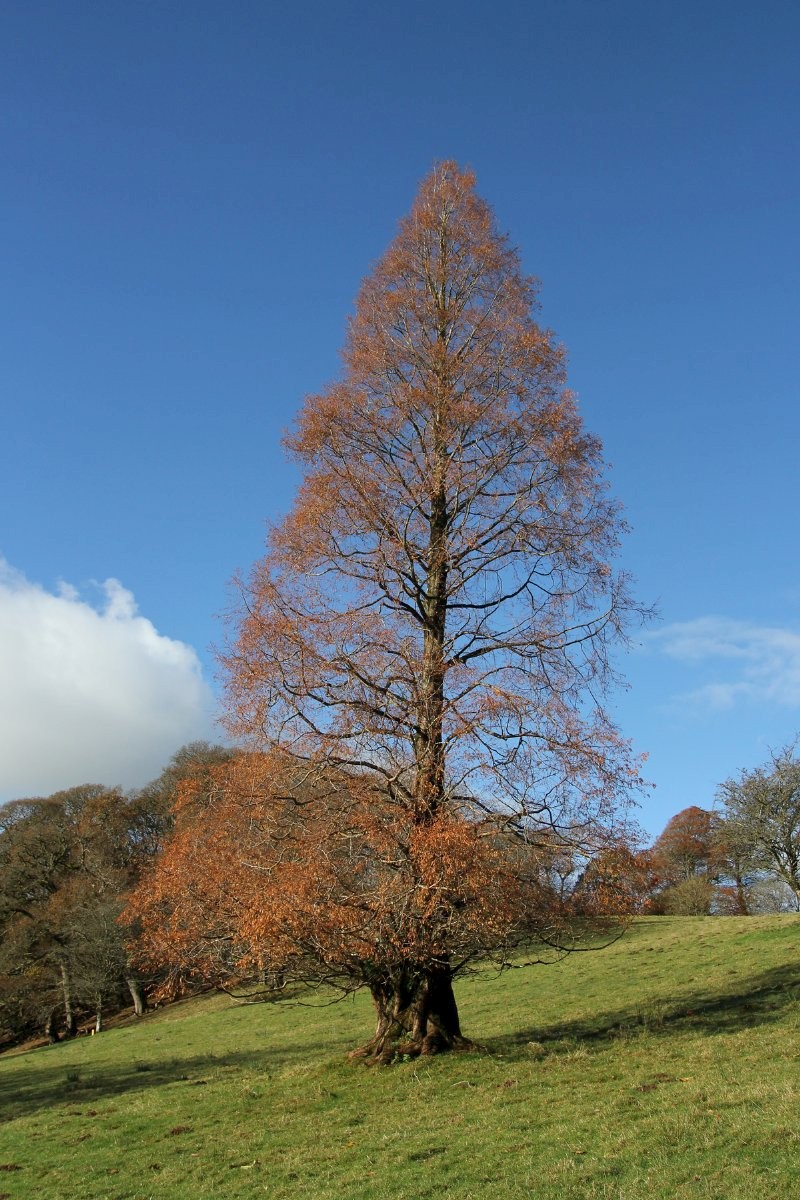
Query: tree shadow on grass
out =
(44, 1082)
(758, 1000)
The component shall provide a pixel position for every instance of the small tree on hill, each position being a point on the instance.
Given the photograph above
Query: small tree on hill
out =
(762, 818)
(687, 859)
(429, 633)
(689, 846)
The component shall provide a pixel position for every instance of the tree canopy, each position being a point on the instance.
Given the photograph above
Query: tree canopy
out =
(762, 817)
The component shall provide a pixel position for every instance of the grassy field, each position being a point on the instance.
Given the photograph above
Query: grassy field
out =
(665, 1066)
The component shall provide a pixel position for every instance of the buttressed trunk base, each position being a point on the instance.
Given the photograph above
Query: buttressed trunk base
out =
(416, 1015)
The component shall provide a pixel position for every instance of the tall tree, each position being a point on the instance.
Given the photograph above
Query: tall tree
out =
(436, 612)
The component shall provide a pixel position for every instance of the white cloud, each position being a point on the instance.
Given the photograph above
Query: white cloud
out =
(755, 662)
(89, 693)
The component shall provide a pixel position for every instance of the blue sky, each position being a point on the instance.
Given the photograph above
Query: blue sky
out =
(190, 195)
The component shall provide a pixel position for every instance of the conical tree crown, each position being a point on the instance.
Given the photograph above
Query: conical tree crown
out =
(438, 604)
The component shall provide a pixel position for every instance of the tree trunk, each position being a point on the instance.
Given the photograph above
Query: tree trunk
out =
(743, 909)
(98, 1021)
(50, 1030)
(70, 1028)
(417, 1014)
(137, 995)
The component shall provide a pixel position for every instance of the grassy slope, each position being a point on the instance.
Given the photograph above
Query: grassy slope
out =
(665, 1066)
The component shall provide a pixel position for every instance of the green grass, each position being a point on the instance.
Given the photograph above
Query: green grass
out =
(665, 1066)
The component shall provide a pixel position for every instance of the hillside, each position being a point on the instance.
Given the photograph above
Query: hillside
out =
(664, 1066)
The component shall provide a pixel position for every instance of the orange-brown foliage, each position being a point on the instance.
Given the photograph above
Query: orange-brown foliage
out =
(281, 869)
(429, 632)
(439, 604)
(690, 844)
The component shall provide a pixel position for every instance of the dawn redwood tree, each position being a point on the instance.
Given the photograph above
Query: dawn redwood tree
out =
(432, 623)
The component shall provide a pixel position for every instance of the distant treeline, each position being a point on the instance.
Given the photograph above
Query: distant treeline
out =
(67, 863)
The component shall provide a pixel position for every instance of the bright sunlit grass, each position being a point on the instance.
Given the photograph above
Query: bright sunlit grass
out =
(667, 1065)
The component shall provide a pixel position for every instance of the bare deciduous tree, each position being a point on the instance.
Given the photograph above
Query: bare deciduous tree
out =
(762, 817)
